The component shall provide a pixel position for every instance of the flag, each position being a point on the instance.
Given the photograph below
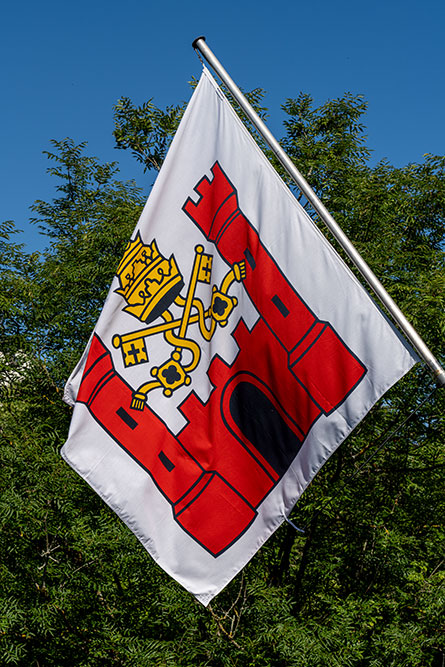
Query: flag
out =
(234, 353)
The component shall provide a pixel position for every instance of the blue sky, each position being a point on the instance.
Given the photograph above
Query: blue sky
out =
(64, 66)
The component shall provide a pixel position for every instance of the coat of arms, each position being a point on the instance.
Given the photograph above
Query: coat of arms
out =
(150, 283)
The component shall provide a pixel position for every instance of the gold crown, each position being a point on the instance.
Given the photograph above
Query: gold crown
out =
(148, 281)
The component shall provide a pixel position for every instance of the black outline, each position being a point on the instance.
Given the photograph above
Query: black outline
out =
(299, 342)
(110, 374)
(204, 472)
(232, 218)
(214, 473)
(96, 361)
(100, 385)
(196, 397)
(233, 380)
(306, 349)
(113, 437)
(236, 379)
(136, 362)
(211, 474)
(227, 223)
(204, 179)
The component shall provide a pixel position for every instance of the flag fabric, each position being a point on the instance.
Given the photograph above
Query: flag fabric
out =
(233, 355)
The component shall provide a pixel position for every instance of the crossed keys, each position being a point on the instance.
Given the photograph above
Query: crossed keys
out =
(150, 284)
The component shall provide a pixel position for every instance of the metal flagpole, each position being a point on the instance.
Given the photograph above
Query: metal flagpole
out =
(424, 352)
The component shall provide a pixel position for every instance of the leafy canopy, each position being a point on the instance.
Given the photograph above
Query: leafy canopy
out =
(364, 585)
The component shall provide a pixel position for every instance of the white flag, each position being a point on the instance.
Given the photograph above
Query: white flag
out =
(234, 353)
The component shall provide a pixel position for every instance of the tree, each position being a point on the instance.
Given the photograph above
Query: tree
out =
(363, 585)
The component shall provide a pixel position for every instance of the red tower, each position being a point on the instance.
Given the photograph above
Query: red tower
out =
(290, 368)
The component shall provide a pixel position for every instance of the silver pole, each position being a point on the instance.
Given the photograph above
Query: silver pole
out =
(372, 280)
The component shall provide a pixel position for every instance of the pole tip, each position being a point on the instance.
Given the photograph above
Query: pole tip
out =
(195, 41)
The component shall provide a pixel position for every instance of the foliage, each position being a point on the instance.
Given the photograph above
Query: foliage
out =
(364, 586)
(148, 131)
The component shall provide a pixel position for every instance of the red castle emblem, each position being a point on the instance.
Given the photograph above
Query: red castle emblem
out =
(236, 446)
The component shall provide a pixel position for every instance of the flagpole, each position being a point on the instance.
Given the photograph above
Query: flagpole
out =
(424, 352)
